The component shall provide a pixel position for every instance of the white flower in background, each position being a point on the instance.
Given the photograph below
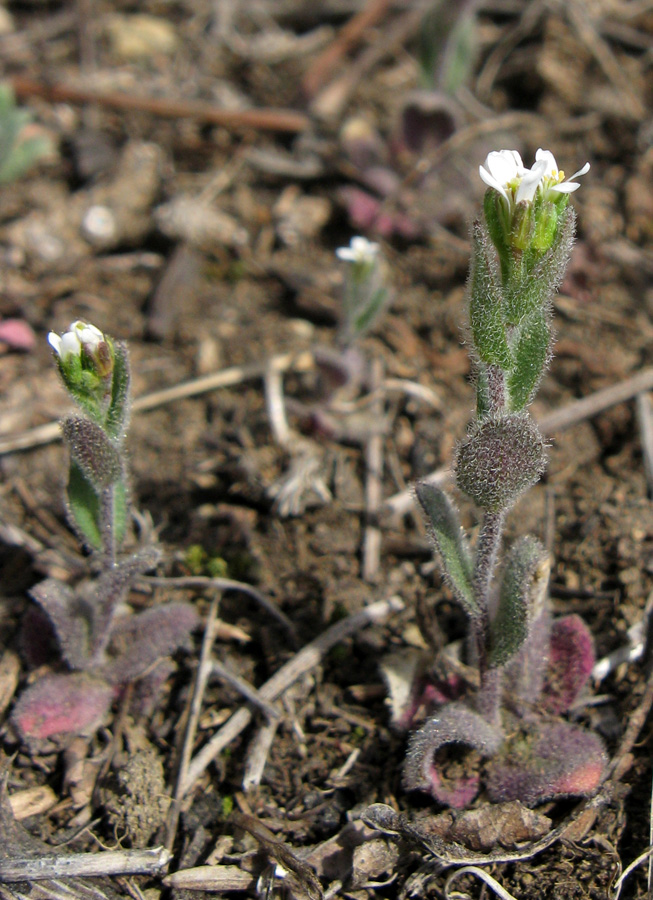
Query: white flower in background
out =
(80, 334)
(360, 251)
(505, 172)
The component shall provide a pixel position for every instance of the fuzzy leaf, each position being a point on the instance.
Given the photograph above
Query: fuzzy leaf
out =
(92, 450)
(486, 303)
(556, 760)
(450, 542)
(571, 662)
(104, 594)
(73, 703)
(501, 457)
(531, 349)
(138, 642)
(521, 600)
(71, 618)
(117, 417)
(84, 507)
(453, 724)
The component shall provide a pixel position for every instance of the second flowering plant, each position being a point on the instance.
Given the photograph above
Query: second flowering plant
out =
(531, 668)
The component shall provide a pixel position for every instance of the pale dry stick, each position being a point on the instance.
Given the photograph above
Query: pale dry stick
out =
(557, 420)
(275, 406)
(224, 584)
(199, 688)
(644, 410)
(46, 434)
(302, 663)
(85, 865)
(619, 883)
(243, 687)
(213, 879)
(257, 755)
(479, 873)
(373, 484)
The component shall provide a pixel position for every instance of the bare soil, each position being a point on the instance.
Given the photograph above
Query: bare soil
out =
(222, 255)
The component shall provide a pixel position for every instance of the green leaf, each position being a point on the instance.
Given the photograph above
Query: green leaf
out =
(451, 544)
(117, 417)
(521, 599)
(531, 349)
(364, 318)
(92, 451)
(486, 304)
(84, 507)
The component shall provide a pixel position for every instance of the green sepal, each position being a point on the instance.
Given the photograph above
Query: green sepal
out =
(451, 543)
(117, 415)
(521, 599)
(546, 226)
(84, 507)
(531, 349)
(522, 226)
(486, 304)
(497, 219)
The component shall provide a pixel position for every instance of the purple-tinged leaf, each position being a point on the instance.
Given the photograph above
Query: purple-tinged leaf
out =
(38, 641)
(71, 617)
(107, 592)
(454, 724)
(71, 703)
(571, 661)
(558, 760)
(141, 640)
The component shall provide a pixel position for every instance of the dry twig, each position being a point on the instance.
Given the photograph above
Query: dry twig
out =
(302, 663)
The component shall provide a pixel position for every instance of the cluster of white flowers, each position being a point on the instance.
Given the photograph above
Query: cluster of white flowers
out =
(505, 172)
(80, 334)
(360, 251)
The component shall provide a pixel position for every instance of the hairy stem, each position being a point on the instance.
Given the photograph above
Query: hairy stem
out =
(487, 552)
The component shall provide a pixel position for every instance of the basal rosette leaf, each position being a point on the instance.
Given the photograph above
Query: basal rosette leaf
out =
(453, 724)
(553, 760)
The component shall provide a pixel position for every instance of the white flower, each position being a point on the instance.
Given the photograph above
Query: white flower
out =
(80, 334)
(505, 172)
(554, 178)
(360, 251)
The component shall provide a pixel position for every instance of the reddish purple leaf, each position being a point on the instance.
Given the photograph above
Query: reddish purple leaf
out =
(570, 663)
(73, 703)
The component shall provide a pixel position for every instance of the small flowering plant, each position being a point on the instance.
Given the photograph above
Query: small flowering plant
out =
(101, 647)
(530, 669)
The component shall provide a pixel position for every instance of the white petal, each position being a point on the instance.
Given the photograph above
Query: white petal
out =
(54, 340)
(580, 172)
(70, 343)
(530, 182)
(549, 160)
(346, 254)
(567, 187)
(493, 183)
(504, 165)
